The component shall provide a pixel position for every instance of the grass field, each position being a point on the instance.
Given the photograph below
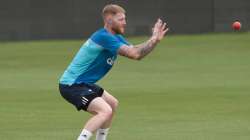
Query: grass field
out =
(190, 88)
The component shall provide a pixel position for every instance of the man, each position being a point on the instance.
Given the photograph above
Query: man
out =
(93, 61)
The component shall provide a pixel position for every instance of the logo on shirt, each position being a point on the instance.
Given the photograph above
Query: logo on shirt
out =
(111, 61)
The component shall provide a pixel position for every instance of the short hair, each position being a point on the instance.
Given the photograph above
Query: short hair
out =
(112, 9)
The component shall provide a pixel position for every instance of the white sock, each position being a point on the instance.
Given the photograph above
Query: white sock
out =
(101, 134)
(85, 135)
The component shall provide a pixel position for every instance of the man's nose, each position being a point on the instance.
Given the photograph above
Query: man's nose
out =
(124, 23)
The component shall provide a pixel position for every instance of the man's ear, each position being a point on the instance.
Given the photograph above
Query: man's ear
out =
(109, 20)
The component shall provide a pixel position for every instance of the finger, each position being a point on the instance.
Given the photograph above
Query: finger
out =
(160, 37)
(165, 31)
(163, 26)
(167, 25)
(156, 28)
(158, 23)
(162, 34)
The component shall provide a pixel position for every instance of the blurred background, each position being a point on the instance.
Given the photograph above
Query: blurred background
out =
(67, 19)
(195, 85)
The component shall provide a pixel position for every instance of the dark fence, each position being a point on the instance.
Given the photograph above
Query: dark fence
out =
(59, 19)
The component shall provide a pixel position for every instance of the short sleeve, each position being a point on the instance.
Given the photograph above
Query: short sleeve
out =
(108, 41)
(123, 40)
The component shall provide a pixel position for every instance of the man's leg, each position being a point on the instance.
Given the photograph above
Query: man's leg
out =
(113, 102)
(102, 132)
(102, 112)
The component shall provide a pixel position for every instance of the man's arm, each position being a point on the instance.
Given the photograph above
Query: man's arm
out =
(139, 51)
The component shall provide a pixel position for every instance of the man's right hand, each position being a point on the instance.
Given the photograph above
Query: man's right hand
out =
(159, 30)
(139, 51)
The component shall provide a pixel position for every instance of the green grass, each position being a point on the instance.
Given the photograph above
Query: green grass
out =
(193, 87)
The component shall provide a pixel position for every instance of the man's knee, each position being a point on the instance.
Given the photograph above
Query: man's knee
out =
(114, 104)
(106, 113)
(112, 101)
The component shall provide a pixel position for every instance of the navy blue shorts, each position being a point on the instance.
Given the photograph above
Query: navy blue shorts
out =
(80, 95)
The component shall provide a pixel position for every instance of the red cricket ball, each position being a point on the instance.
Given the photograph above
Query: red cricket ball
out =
(236, 25)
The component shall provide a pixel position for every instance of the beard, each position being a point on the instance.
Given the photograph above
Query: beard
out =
(118, 30)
